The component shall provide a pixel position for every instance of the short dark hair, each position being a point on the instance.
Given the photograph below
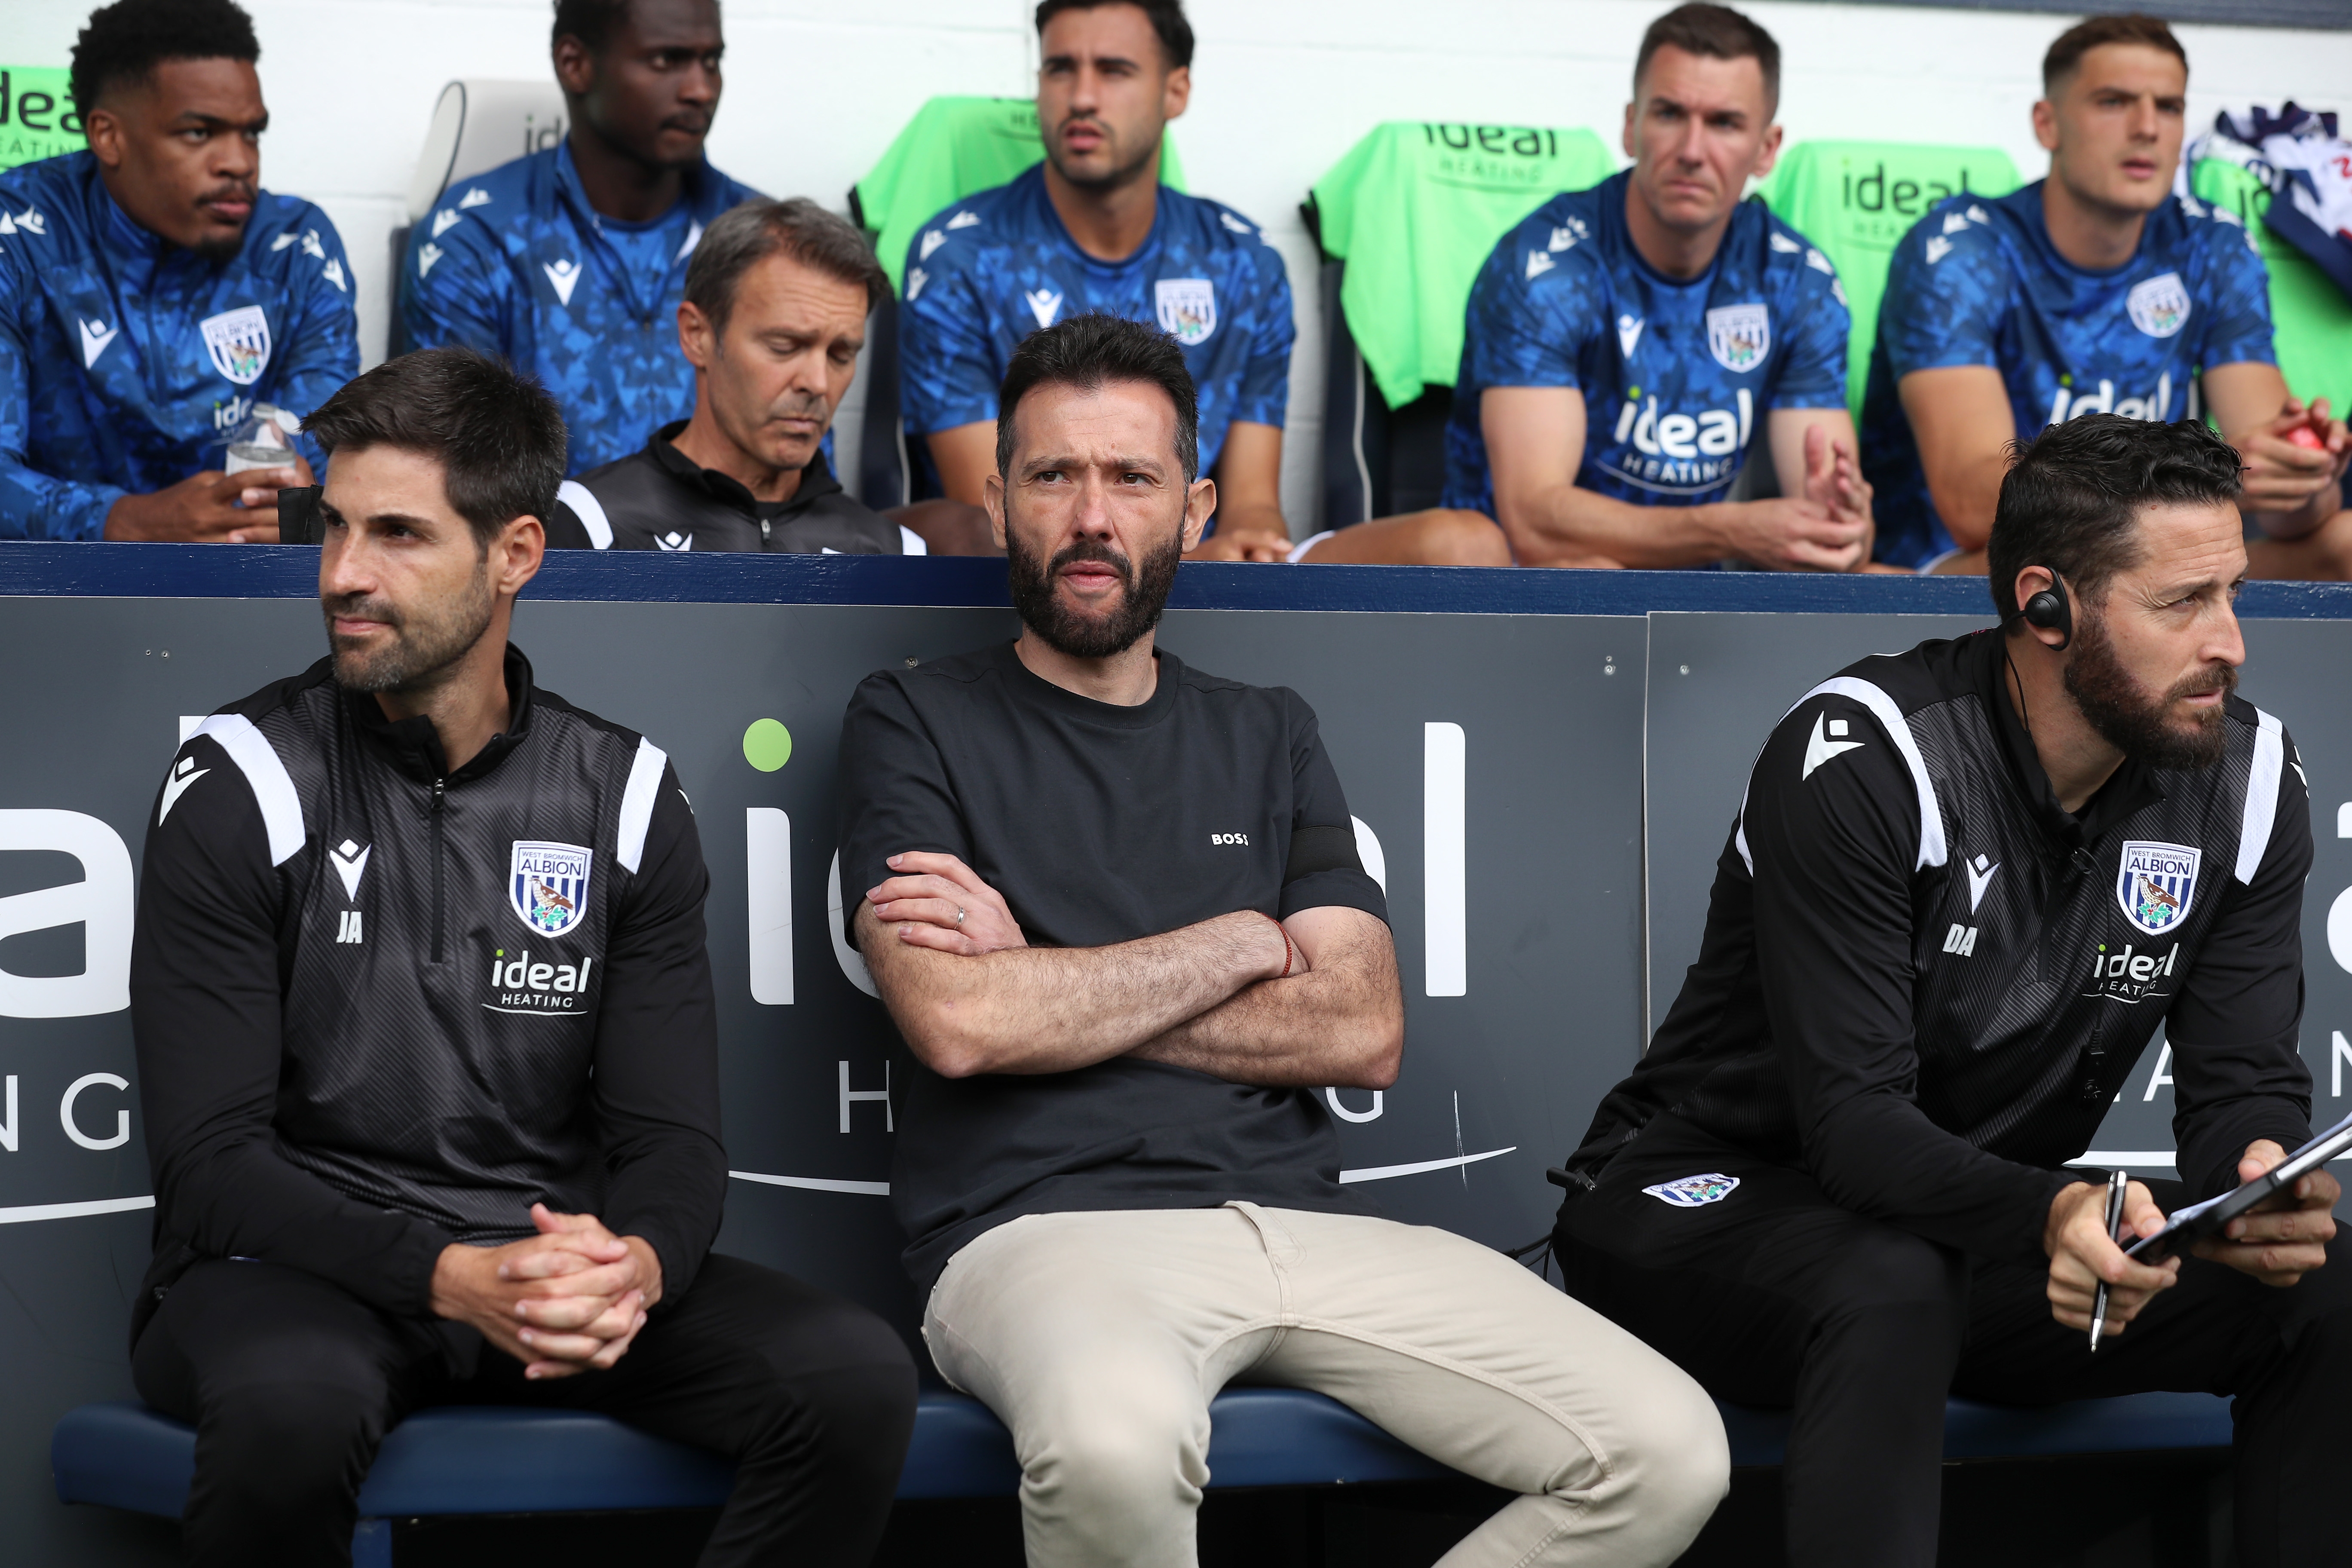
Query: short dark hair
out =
(589, 21)
(1167, 20)
(1718, 33)
(124, 41)
(757, 229)
(496, 434)
(2067, 53)
(2071, 498)
(1085, 353)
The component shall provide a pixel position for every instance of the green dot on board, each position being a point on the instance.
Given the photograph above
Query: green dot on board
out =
(767, 745)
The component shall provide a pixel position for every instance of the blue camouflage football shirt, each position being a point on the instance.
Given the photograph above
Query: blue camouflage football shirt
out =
(516, 262)
(990, 270)
(126, 360)
(1977, 282)
(1676, 376)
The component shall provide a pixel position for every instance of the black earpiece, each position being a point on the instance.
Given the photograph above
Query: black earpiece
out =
(2050, 610)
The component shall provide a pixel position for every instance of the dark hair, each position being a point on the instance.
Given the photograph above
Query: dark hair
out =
(2079, 40)
(1088, 350)
(2071, 498)
(124, 41)
(589, 21)
(1718, 33)
(496, 434)
(757, 229)
(1167, 20)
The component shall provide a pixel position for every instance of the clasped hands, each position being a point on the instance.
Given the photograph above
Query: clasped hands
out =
(567, 1300)
(2277, 1243)
(938, 901)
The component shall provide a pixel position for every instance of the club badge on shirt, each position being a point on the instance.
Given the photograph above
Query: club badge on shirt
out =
(2159, 307)
(1692, 1191)
(1188, 308)
(1739, 336)
(549, 885)
(2156, 884)
(238, 341)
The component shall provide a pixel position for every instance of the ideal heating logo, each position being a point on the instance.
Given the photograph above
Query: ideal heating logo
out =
(37, 116)
(534, 987)
(1875, 207)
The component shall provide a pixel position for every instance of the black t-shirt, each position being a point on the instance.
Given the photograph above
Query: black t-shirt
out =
(1098, 824)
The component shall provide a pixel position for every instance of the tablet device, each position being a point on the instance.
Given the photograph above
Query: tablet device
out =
(2207, 1219)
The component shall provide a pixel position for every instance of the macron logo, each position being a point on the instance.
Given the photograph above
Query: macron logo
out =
(932, 239)
(350, 864)
(1820, 749)
(1981, 876)
(565, 277)
(186, 774)
(1629, 333)
(477, 197)
(1938, 247)
(1236, 224)
(1539, 262)
(964, 220)
(1044, 304)
(426, 255)
(446, 220)
(95, 336)
(915, 281)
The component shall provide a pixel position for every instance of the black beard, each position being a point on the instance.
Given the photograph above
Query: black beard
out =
(1081, 636)
(2119, 708)
(420, 652)
(220, 247)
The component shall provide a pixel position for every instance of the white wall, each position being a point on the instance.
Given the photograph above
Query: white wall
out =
(1282, 87)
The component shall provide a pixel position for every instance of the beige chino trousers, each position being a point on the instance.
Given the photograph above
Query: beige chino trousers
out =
(1100, 1339)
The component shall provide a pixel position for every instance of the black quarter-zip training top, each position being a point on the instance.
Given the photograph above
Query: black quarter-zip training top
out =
(381, 1007)
(1924, 981)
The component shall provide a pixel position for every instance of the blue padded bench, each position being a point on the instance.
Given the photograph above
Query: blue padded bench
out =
(495, 1459)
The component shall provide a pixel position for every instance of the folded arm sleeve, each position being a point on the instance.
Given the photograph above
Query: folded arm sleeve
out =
(1834, 844)
(895, 791)
(657, 1053)
(2236, 1073)
(206, 970)
(1945, 298)
(34, 505)
(462, 298)
(1523, 332)
(1325, 870)
(949, 372)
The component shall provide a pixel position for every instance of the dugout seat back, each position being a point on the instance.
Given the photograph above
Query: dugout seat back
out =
(477, 125)
(1856, 200)
(1405, 220)
(2311, 316)
(954, 147)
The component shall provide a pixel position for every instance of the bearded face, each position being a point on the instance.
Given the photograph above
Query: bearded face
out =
(2134, 720)
(426, 638)
(1095, 634)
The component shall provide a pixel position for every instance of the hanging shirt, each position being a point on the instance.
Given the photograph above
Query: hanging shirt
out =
(516, 262)
(1978, 281)
(127, 361)
(987, 272)
(1676, 376)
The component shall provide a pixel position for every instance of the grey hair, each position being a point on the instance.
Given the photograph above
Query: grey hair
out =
(760, 227)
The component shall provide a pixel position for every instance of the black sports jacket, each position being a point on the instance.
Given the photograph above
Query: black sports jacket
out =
(660, 499)
(1924, 981)
(380, 1007)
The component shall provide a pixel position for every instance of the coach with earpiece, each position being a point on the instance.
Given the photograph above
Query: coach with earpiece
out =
(1966, 885)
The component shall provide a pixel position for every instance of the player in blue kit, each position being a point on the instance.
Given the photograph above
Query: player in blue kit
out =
(571, 263)
(152, 293)
(1626, 344)
(2095, 290)
(1092, 229)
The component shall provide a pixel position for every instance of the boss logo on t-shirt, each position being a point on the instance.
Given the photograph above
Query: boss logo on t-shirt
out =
(1240, 838)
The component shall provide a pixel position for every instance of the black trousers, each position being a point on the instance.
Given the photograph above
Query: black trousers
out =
(292, 1383)
(1774, 1296)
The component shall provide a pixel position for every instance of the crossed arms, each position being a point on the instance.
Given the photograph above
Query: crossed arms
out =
(974, 997)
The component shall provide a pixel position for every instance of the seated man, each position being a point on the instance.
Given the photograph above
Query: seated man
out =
(151, 294)
(2095, 290)
(1092, 228)
(1624, 343)
(570, 263)
(1117, 1177)
(428, 1052)
(774, 313)
(1967, 884)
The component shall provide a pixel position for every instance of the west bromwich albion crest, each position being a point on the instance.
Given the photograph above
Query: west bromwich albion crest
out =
(1739, 336)
(238, 341)
(2159, 307)
(1690, 1192)
(1188, 308)
(2156, 884)
(549, 885)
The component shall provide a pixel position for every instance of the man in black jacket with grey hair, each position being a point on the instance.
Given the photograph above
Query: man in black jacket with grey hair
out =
(428, 1052)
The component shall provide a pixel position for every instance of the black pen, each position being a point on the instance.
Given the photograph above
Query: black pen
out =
(2117, 1181)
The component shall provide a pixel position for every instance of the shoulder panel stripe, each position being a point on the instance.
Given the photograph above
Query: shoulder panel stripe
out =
(273, 787)
(2261, 796)
(637, 802)
(910, 542)
(588, 511)
(1932, 850)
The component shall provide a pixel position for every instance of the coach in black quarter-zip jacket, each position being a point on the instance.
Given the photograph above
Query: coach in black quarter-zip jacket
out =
(428, 1052)
(1966, 885)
